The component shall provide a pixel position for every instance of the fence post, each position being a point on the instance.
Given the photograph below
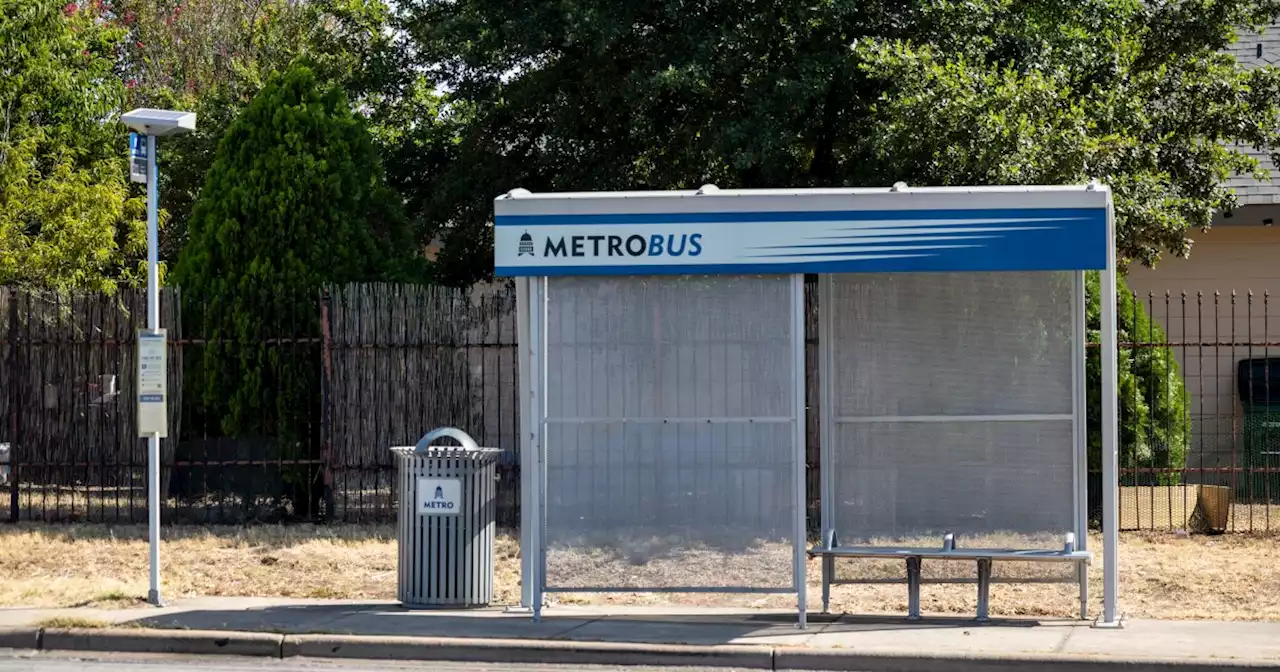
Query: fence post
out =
(326, 416)
(15, 378)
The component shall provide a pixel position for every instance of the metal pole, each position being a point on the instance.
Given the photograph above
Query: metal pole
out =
(1110, 452)
(153, 323)
(528, 447)
(1080, 429)
(538, 380)
(826, 430)
(14, 425)
(984, 590)
(1080, 408)
(799, 450)
(913, 588)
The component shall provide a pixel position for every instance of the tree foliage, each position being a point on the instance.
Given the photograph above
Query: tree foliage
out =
(66, 219)
(213, 56)
(609, 94)
(295, 199)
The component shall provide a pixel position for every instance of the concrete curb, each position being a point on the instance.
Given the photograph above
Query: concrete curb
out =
(19, 638)
(525, 651)
(564, 652)
(828, 660)
(190, 642)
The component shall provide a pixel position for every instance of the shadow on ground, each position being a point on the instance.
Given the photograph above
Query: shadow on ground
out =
(572, 624)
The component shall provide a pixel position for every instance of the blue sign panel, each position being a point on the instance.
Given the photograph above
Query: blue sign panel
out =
(667, 241)
(138, 158)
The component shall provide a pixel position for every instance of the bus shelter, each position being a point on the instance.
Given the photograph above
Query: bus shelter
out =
(663, 376)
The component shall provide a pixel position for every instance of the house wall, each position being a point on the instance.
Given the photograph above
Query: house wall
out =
(1212, 328)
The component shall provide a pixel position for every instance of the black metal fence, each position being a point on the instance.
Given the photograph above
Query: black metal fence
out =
(285, 415)
(336, 381)
(68, 433)
(1200, 412)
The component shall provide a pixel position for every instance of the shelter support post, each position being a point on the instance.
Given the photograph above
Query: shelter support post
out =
(537, 478)
(826, 436)
(1110, 426)
(527, 445)
(1079, 378)
(799, 494)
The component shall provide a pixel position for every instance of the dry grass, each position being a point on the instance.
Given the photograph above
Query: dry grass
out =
(1254, 518)
(71, 623)
(636, 559)
(96, 565)
(1164, 575)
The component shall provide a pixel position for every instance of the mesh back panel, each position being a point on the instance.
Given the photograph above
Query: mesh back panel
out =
(669, 449)
(915, 357)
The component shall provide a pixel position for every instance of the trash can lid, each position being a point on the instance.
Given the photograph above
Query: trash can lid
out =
(446, 451)
(469, 446)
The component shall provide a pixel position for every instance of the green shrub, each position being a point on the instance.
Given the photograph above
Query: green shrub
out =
(1155, 424)
(295, 200)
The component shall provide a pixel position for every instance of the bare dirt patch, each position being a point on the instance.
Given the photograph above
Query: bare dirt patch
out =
(1164, 575)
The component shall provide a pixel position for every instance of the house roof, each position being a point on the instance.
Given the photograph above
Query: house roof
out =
(1247, 52)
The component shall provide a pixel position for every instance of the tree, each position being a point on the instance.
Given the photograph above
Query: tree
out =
(295, 199)
(213, 57)
(607, 94)
(66, 218)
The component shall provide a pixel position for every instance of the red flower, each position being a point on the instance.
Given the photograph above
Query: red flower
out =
(70, 9)
(133, 83)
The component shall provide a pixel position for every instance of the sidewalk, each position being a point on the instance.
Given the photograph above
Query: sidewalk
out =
(632, 635)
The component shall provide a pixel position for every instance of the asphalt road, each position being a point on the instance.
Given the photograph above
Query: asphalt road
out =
(57, 662)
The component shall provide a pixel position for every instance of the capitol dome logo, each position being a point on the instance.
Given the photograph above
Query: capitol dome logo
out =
(526, 245)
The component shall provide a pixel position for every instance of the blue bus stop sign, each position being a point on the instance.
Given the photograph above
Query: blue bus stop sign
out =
(137, 158)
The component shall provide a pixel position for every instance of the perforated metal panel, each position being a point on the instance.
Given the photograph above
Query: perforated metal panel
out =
(952, 407)
(669, 435)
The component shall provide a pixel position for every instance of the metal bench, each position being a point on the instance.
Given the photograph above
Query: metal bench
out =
(831, 550)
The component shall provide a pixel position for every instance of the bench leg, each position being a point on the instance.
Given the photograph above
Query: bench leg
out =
(1082, 577)
(984, 590)
(828, 575)
(913, 589)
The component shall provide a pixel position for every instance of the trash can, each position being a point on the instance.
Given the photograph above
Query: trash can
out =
(1259, 382)
(446, 523)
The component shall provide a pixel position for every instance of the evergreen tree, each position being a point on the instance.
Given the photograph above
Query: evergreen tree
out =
(295, 200)
(1155, 423)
